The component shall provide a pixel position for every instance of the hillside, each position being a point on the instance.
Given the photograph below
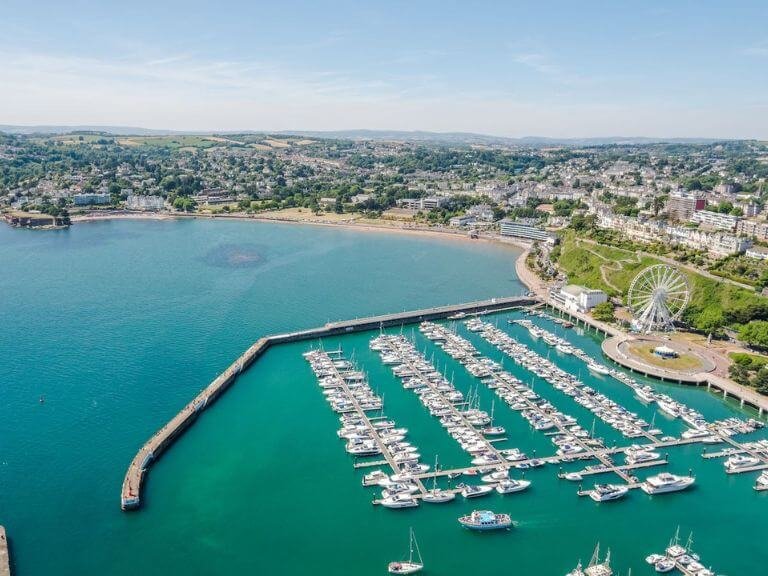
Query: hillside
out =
(713, 305)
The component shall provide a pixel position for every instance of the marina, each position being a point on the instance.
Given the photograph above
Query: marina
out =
(463, 419)
(403, 477)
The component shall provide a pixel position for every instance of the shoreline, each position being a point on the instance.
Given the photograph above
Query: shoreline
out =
(347, 224)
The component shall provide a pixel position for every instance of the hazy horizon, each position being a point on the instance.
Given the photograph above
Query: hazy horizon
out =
(642, 69)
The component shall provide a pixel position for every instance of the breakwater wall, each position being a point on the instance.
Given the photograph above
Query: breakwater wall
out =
(5, 557)
(130, 496)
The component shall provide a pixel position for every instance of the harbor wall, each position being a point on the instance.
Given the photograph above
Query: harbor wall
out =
(5, 555)
(130, 497)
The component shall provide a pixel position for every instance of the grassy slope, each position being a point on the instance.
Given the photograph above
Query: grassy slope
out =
(712, 303)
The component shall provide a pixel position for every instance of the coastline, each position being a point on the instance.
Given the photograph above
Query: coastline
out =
(444, 233)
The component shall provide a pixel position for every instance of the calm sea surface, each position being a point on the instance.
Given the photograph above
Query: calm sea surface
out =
(118, 324)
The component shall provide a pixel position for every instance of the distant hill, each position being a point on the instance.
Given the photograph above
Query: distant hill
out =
(113, 130)
(472, 138)
(362, 134)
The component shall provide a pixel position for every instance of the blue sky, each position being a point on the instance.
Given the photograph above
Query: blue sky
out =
(569, 69)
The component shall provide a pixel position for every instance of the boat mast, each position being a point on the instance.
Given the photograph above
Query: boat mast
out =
(416, 544)
(595, 556)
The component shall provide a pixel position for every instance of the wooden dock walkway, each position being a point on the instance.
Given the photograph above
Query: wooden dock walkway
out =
(130, 496)
(5, 556)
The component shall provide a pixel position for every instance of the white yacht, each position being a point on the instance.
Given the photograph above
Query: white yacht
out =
(607, 492)
(669, 408)
(737, 462)
(666, 482)
(637, 456)
(474, 491)
(510, 486)
(762, 482)
(400, 501)
(646, 394)
(597, 368)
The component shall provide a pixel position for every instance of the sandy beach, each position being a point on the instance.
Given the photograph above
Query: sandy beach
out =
(291, 216)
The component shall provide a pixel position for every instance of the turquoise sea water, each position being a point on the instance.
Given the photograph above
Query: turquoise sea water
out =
(118, 324)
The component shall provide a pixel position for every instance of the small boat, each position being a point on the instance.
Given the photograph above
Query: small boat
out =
(408, 566)
(510, 486)
(762, 482)
(573, 477)
(483, 520)
(664, 565)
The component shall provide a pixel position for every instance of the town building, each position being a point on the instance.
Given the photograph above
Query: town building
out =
(579, 298)
(715, 220)
(753, 228)
(524, 229)
(426, 203)
(682, 206)
(88, 199)
(144, 203)
(757, 252)
(461, 221)
(482, 212)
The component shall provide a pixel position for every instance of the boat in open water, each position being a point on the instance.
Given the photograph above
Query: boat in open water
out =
(409, 566)
(483, 520)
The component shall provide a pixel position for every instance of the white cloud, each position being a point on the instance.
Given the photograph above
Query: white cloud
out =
(185, 92)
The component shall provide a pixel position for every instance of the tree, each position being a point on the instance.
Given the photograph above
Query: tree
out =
(603, 312)
(755, 333)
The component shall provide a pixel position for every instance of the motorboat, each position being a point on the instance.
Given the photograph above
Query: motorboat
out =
(496, 476)
(607, 492)
(399, 501)
(509, 486)
(738, 462)
(637, 456)
(475, 491)
(483, 520)
(666, 482)
(598, 368)
(762, 482)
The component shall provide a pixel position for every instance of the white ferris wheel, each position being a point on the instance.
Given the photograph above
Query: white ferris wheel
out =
(657, 297)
